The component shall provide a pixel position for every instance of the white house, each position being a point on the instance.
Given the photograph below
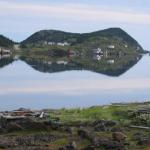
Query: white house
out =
(126, 46)
(4, 51)
(51, 43)
(111, 46)
(97, 51)
(61, 62)
(63, 44)
(111, 61)
(16, 46)
(97, 57)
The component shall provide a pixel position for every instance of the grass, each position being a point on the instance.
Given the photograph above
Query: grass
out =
(111, 112)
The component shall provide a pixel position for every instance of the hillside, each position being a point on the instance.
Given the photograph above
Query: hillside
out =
(5, 42)
(112, 36)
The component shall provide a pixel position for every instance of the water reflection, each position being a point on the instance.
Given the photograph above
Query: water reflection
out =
(112, 65)
(5, 60)
(22, 86)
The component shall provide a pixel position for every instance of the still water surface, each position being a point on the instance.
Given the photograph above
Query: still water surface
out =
(22, 84)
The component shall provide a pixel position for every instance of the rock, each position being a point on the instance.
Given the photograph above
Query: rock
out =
(71, 146)
(83, 134)
(67, 129)
(103, 125)
(97, 141)
(90, 147)
(13, 127)
(119, 136)
(110, 123)
(30, 140)
(107, 144)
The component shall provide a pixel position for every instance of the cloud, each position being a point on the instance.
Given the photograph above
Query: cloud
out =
(75, 12)
(76, 87)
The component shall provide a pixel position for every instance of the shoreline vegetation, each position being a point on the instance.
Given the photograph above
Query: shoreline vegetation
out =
(110, 127)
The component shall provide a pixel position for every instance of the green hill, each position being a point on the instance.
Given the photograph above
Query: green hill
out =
(5, 42)
(112, 36)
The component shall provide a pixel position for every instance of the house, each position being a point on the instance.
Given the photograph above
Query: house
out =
(97, 51)
(17, 46)
(4, 56)
(4, 51)
(111, 61)
(97, 57)
(125, 45)
(63, 44)
(61, 62)
(71, 52)
(111, 46)
(51, 43)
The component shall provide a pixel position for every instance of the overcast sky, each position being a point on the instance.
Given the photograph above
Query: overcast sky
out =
(21, 18)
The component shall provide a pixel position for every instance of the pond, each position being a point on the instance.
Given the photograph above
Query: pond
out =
(37, 83)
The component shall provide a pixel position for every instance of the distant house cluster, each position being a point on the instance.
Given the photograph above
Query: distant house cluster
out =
(4, 51)
(98, 53)
(57, 43)
(111, 46)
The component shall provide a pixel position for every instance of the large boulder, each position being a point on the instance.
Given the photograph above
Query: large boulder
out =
(119, 136)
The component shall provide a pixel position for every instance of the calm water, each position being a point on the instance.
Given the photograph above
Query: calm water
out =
(42, 84)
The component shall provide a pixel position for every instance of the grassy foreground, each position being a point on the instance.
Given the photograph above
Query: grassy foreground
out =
(111, 127)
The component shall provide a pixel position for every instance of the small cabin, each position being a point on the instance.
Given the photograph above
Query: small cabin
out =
(61, 62)
(111, 46)
(17, 46)
(97, 57)
(51, 43)
(97, 51)
(63, 44)
(4, 51)
(111, 61)
(125, 45)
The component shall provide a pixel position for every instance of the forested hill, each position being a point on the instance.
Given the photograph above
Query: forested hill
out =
(5, 42)
(115, 36)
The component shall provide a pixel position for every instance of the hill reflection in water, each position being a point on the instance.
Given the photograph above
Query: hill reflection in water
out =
(113, 65)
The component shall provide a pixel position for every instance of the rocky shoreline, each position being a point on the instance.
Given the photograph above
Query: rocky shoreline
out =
(126, 127)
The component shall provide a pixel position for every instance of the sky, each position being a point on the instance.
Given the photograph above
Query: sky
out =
(21, 18)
